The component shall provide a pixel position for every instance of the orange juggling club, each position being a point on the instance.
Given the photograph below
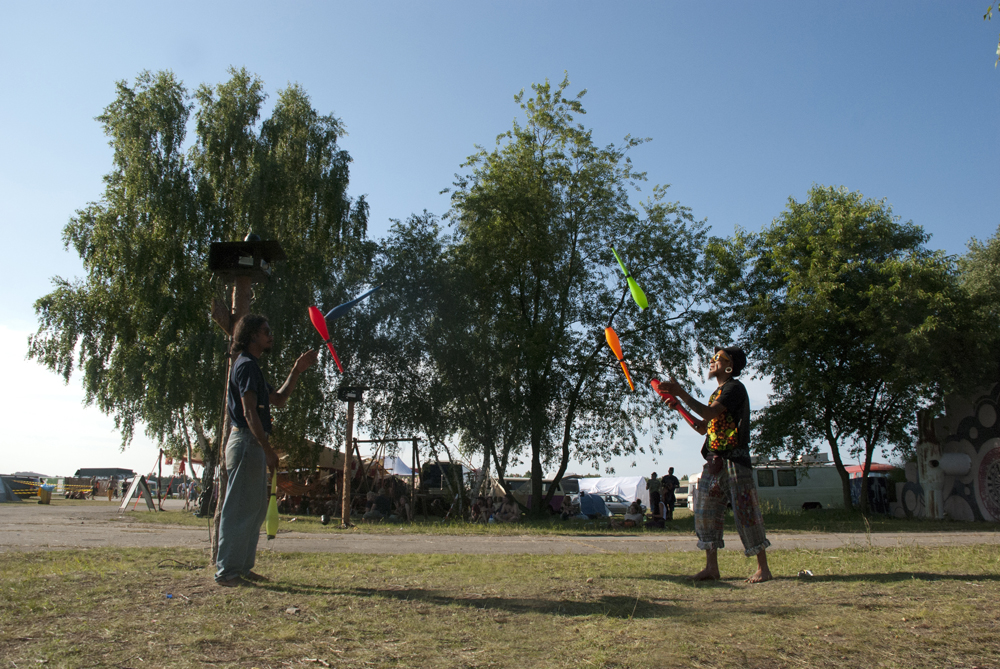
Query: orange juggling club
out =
(612, 337)
(319, 322)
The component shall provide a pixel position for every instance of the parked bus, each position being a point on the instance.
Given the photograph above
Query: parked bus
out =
(811, 483)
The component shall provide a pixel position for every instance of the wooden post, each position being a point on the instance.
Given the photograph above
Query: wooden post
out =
(423, 500)
(345, 510)
(413, 479)
(159, 481)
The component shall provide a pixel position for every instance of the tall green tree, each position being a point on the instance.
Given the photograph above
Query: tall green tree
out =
(534, 222)
(980, 276)
(856, 322)
(432, 364)
(137, 325)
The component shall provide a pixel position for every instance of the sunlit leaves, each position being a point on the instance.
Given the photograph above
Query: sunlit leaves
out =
(137, 324)
(856, 322)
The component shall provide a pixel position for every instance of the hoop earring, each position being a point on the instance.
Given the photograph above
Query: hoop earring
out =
(729, 370)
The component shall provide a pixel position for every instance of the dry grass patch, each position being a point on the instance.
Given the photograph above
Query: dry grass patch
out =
(902, 607)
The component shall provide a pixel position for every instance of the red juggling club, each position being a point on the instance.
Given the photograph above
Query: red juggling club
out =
(319, 322)
(672, 401)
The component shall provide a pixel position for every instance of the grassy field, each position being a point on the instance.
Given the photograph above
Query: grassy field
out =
(784, 521)
(863, 607)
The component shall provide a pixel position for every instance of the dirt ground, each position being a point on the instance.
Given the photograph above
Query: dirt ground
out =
(28, 526)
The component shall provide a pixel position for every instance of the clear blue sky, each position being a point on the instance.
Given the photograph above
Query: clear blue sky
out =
(748, 104)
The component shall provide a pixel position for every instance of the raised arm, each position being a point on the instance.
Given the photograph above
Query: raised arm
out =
(279, 397)
(707, 412)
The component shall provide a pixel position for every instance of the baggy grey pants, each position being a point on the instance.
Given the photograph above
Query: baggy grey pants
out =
(245, 507)
(733, 484)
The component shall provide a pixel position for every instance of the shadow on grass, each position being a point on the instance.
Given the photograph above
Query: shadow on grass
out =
(896, 577)
(887, 577)
(612, 606)
(725, 583)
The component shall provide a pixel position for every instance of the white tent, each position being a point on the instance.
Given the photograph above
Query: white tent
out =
(395, 465)
(629, 487)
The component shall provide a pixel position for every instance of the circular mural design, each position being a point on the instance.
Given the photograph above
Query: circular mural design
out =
(989, 482)
(987, 415)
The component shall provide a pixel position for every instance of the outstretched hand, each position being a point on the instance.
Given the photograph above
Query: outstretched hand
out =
(306, 360)
(661, 389)
(672, 386)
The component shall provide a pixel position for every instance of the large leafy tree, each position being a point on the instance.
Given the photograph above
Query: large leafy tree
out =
(856, 322)
(534, 220)
(432, 365)
(137, 325)
(980, 276)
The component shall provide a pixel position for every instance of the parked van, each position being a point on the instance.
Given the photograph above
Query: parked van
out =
(805, 484)
(682, 493)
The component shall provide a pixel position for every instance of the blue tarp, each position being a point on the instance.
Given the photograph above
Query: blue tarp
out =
(7, 492)
(593, 505)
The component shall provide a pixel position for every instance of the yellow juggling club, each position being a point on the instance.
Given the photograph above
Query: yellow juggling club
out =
(612, 337)
(271, 524)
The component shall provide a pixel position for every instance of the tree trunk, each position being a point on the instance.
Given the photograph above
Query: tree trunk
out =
(865, 508)
(536, 471)
(568, 424)
(483, 474)
(501, 462)
(844, 478)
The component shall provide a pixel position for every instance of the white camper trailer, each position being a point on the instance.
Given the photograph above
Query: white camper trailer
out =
(811, 482)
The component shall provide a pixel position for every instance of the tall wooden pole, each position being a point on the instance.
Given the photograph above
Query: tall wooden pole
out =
(345, 505)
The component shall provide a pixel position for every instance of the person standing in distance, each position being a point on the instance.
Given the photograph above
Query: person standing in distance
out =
(248, 453)
(668, 487)
(728, 473)
(653, 485)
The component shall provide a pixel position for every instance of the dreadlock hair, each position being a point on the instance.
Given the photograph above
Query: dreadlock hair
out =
(245, 330)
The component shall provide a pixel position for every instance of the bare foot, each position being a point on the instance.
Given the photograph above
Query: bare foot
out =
(705, 574)
(760, 576)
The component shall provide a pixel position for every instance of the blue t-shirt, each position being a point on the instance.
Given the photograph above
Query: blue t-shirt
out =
(247, 377)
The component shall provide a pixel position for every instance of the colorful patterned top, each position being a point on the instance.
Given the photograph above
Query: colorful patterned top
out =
(728, 434)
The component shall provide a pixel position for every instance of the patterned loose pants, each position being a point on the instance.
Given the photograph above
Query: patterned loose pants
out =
(734, 484)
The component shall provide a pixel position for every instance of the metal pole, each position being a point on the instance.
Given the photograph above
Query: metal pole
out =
(413, 478)
(345, 510)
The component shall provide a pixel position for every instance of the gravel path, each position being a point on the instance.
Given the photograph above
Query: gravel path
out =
(28, 527)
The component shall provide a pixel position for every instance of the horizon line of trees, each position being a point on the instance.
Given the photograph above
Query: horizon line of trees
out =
(487, 339)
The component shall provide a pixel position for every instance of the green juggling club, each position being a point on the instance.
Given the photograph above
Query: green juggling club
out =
(637, 294)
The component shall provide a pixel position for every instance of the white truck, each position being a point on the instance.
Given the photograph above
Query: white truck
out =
(807, 483)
